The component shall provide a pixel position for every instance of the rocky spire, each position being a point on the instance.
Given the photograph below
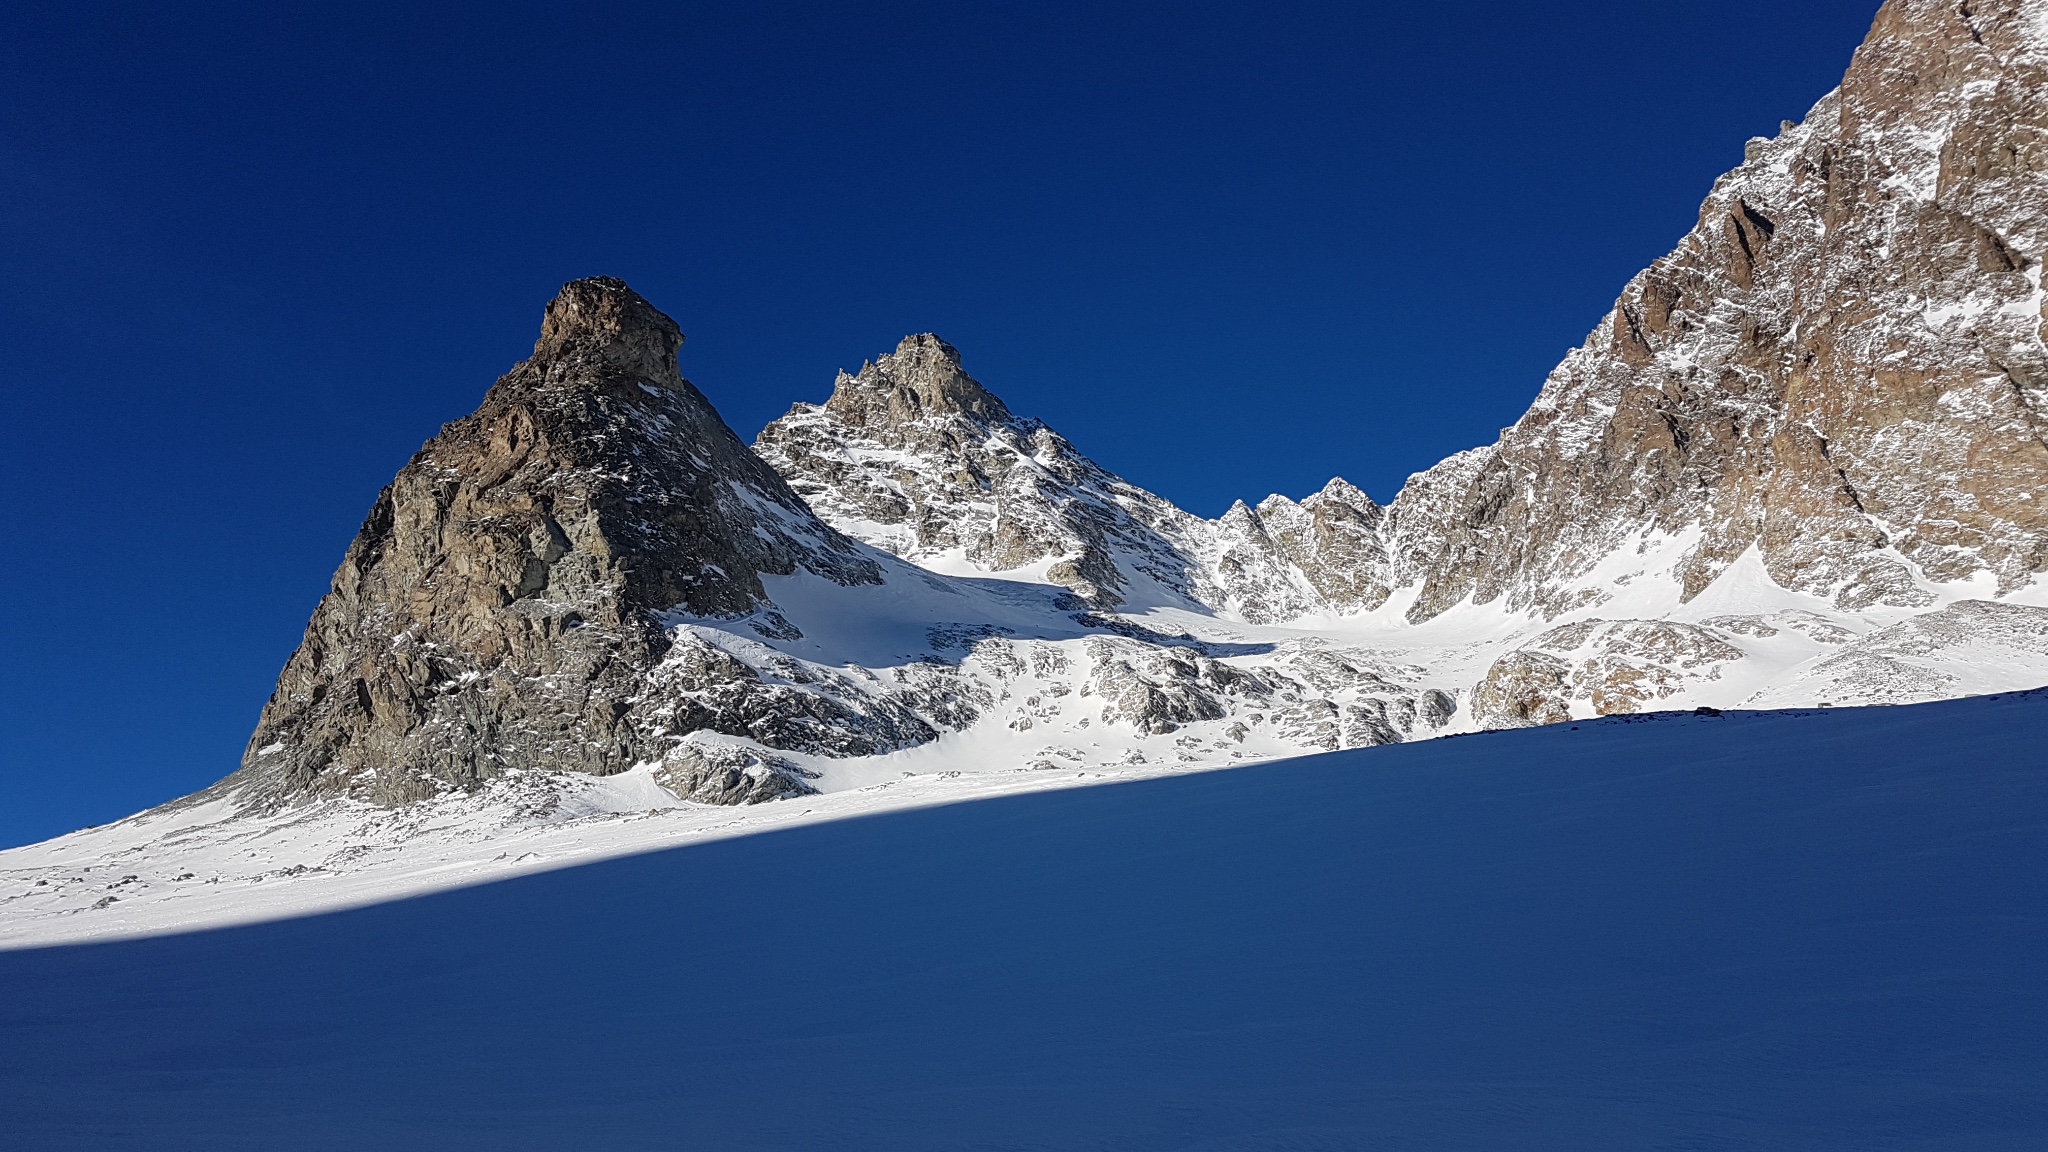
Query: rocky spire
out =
(602, 318)
(914, 456)
(921, 379)
(501, 605)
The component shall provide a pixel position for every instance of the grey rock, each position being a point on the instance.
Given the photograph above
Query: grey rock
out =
(1610, 666)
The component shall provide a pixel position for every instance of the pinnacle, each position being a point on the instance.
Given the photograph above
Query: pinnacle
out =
(601, 315)
(922, 377)
(1344, 490)
(927, 344)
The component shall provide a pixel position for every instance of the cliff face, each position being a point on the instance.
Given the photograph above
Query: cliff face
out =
(1842, 365)
(499, 607)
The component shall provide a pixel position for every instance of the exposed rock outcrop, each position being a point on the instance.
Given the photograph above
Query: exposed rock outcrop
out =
(914, 456)
(501, 606)
(1842, 364)
(1606, 667)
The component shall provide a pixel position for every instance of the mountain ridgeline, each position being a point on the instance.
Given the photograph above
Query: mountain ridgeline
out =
(1803, 460)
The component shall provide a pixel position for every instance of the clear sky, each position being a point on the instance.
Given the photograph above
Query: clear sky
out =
(254, 256)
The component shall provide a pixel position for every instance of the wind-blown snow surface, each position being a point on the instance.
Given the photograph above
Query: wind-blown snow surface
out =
(1789, 930)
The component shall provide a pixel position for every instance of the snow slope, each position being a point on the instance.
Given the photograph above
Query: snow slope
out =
(1044, 698)
(1806, 931)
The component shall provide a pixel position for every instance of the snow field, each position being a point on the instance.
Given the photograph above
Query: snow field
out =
(1807, 931)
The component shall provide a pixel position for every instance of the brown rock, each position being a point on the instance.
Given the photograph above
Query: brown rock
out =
(500, 607)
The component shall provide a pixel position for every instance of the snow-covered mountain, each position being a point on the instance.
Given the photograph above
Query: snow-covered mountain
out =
(916, 457)
(1801, 463)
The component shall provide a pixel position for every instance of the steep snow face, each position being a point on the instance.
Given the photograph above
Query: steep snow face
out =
(914, 456)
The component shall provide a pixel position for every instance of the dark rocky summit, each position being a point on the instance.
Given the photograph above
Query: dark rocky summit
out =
(501, 605)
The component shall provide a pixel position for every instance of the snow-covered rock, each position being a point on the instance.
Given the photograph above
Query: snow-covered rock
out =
(916, 457)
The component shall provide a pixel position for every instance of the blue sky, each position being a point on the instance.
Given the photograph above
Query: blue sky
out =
(255, 256)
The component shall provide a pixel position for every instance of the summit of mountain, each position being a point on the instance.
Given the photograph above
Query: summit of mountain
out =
(914, 456)
(1841, 366)
(501, 605)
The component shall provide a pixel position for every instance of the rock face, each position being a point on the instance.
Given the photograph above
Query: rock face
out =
(914, 456)
(500, 607)
(1841, 366)
(1610, 667)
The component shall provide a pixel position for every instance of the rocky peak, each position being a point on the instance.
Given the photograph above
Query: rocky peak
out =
(921, 380)
(1337, 497)
(1283, 559)
(1836, 382)
(917, 458)
(600, 317)
(504, 602)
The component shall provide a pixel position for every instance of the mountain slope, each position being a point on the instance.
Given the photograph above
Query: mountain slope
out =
(1841, 366)
(592, 574)
(1761, 931)
(1830, 393)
